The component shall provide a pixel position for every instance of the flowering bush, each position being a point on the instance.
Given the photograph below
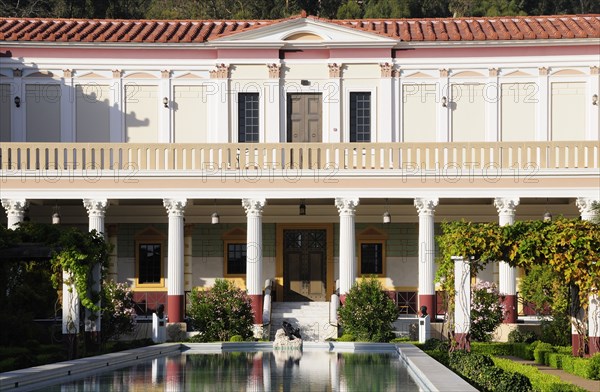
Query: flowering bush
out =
(487, 311)
(221, 312)
(368, 312)
(118, 313)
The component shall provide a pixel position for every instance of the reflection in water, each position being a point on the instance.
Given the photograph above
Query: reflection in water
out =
(255, 371)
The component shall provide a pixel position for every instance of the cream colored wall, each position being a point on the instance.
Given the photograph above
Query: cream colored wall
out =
(568, 108)
(249, 71)
(518, 116)
(419, 112)
(190, 123)
(205, 270)
(306, 71)
(361, 71)
(43, 112)
(401, 272)
(5, 107)
(141, 114)
(468, 112)
(92, 113)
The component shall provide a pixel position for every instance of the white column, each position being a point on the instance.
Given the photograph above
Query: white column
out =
(586, 209)
(17, 115)
(254, 209)
(462, 302)
(96, 209)
(15, 211)
(116, 108)
(492, 105)
(67, 107)
(508, 275)
(347, 209)
(543, 120)
(272, 103)
(426, 210)
(165, 133)
(385, 103)
(334, 94)
(593, 131)
(443, 118)
(175, 267)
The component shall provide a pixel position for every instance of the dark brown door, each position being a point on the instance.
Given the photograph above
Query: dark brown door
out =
(304, 114)
(304, 265)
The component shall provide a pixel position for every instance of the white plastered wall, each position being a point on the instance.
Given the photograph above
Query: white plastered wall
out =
(518, 111)
(5, 108)
(141, 113)
(568, 110)
(190, 105)
(92, 113)
(43, 104)
(419, 111)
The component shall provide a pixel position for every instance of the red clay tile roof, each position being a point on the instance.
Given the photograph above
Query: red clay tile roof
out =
(190, 31)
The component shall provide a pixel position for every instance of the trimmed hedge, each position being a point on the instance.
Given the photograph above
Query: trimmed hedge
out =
(494, 349)
(541, 351)
(539, 381)
(523, 351)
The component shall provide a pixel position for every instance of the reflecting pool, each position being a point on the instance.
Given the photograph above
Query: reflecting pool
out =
(255, 371)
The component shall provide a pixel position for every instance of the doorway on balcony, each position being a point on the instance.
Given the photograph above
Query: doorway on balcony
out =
(304, 264)
(304, 117)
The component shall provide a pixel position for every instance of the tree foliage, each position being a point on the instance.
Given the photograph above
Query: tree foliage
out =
(368, 312)
(273, 9)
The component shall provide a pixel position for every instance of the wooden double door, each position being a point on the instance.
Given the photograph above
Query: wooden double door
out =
(304, 117)
(305, 265)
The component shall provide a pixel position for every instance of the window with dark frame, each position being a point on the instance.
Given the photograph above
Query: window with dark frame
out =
(236, 258)
(149, 259)
(371, 258)
(248, 117)
(360, 116)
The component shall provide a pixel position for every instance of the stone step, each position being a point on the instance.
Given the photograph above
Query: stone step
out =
(311, 317)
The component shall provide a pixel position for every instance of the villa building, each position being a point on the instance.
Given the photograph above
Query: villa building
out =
(303, 150)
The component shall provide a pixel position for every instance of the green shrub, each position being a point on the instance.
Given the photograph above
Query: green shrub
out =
(492, 348)
(347, 337)
(594, 367)
(221, 312)
(540, 382)
(236, 338)
(403, 339)
(517, 336)
(523, 350)
(435, 344)
(368, 312)
(554, 360)
(540, 352)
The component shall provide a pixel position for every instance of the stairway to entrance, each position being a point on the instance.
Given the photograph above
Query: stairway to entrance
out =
(311, 317)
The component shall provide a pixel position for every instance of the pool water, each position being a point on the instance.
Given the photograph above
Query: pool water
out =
(254, 371)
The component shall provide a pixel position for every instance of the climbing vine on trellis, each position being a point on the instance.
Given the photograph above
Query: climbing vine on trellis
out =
(570, 246)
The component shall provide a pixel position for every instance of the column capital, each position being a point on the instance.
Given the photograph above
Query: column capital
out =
(426, 206)
(506, 205)
(15, 207)
(274, 70)
(221, 71)
(175, 207)
(347, 206)
(586, 205)
(95, 207)
(335, 70)
(254, 207)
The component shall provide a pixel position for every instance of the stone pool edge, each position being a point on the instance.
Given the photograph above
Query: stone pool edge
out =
(432, 374)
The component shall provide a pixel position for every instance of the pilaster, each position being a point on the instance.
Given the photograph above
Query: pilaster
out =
(254, 254)
(15, 211)
(165, 132)
(116, 107)
(507, 275)
(347, 210)
(67, 106)
(273, 101)
(219, 104)
(334, 101)
(17, 115)
(543, 106)
(443, 111)
(385, 116)
(175, 267)
(426, 209)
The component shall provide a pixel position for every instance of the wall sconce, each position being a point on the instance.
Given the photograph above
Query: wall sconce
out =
(56, 216)
(166, 102)
(302, 208)
(595, 99)
(444, 102)
(547, 216)
(18, 101)
(214, 218)
(305, 82)
(387, 217)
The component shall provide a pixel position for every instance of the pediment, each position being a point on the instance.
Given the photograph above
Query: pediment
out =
(372, 233)
(236, 233)
(307, 31)
(149, 232)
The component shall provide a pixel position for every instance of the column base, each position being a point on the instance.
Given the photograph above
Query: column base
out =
(175, 308)
(258, 331)
(428, 300)
(462, 341)
(256, 300)
(510, 304)
(594, 345)
(343, 299)
(578, 344)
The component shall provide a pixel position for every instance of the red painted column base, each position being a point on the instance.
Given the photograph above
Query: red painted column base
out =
(428, 300)
(463, 342)
(256, 300)
(175, 308)
(510, 306)
(343, 299)
(594, 345)
(578, 345)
